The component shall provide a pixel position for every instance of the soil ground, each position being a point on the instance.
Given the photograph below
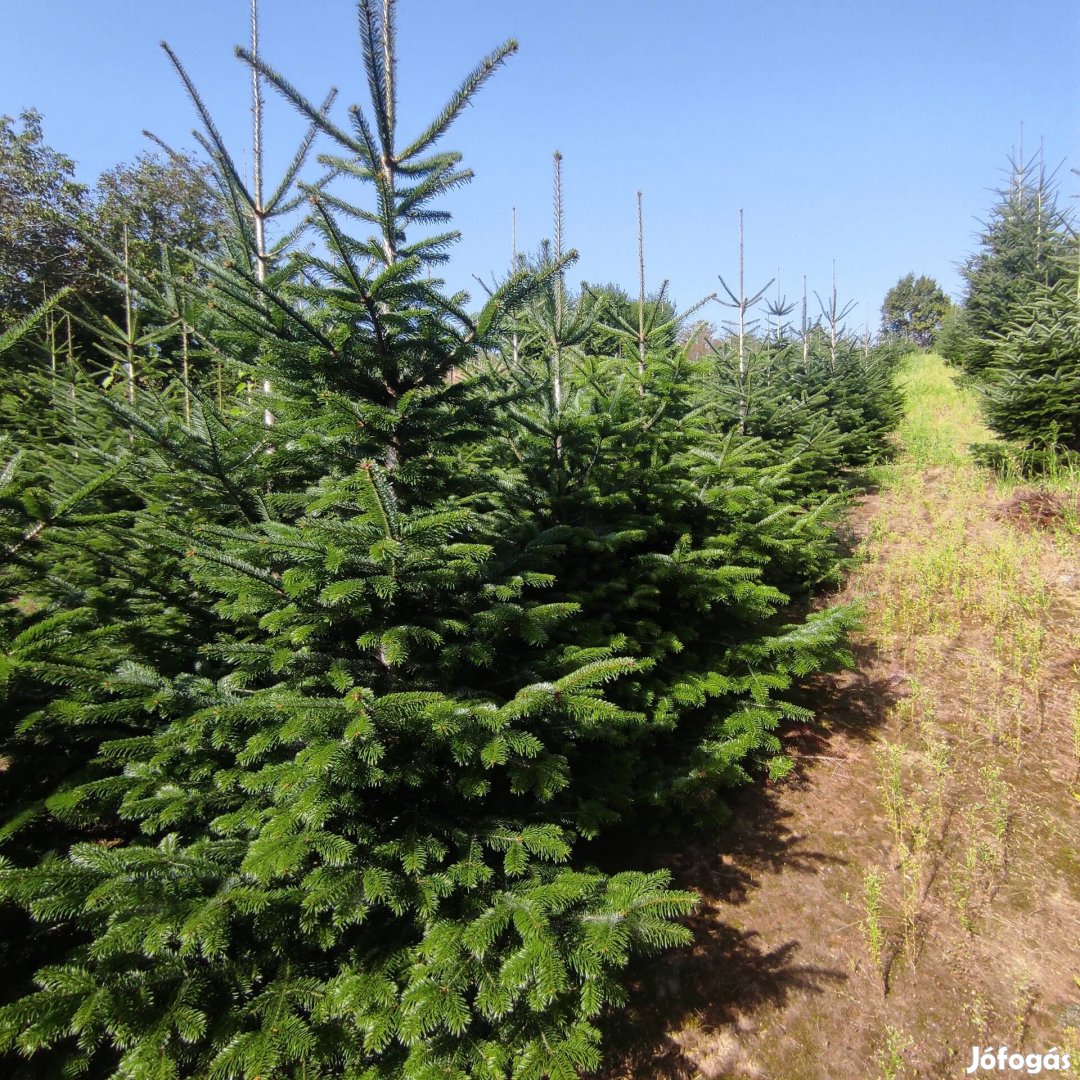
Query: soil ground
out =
(913, 889)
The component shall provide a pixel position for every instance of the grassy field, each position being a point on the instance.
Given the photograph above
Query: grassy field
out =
(913, 890)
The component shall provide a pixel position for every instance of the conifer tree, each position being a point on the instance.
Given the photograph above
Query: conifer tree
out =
(1017, 330)
(825, 402)
(672, 542)
(327, 704)
(333, 835)
(1032, 391)
(1023, 248)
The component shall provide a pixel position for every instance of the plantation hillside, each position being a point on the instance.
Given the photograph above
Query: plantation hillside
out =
(546, 683)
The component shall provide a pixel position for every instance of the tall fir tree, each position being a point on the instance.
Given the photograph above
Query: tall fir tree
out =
(339, 636)
(673, 537)
(1031, 393)
(1022, 248)
(333, 839)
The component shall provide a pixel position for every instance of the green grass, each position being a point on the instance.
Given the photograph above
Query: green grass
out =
(941, 419)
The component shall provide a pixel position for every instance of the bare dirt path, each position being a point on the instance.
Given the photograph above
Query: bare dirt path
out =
(913, 890)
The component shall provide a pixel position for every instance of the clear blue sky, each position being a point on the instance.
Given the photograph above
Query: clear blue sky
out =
(865, 131)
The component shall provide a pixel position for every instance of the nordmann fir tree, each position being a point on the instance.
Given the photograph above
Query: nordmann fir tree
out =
(86, 589)
(333, 851)
(1031, 392)
(1024, 248)
(666, 538)
(825, 398)
(83, 592)
(66, 621)
(1031, 383)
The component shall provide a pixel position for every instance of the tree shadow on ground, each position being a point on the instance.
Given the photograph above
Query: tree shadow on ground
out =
(855, 702)
(731, 971)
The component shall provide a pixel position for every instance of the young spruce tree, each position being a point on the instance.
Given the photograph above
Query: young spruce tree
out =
(668, 537)
(340, 844)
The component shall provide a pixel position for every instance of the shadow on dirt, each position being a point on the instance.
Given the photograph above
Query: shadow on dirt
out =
(731, 971)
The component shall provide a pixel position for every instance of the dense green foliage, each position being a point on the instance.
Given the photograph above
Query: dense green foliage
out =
(154, 205)
(1018, 330)
(56, 233)
(1032, 393)
(914, 309)
(40, 204)
(338, 615)
(830, 407)
(1021, 250)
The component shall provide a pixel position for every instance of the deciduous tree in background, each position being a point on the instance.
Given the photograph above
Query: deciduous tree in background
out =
(914, 309)
(40, 206)
(161, 203)
(53, 228)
